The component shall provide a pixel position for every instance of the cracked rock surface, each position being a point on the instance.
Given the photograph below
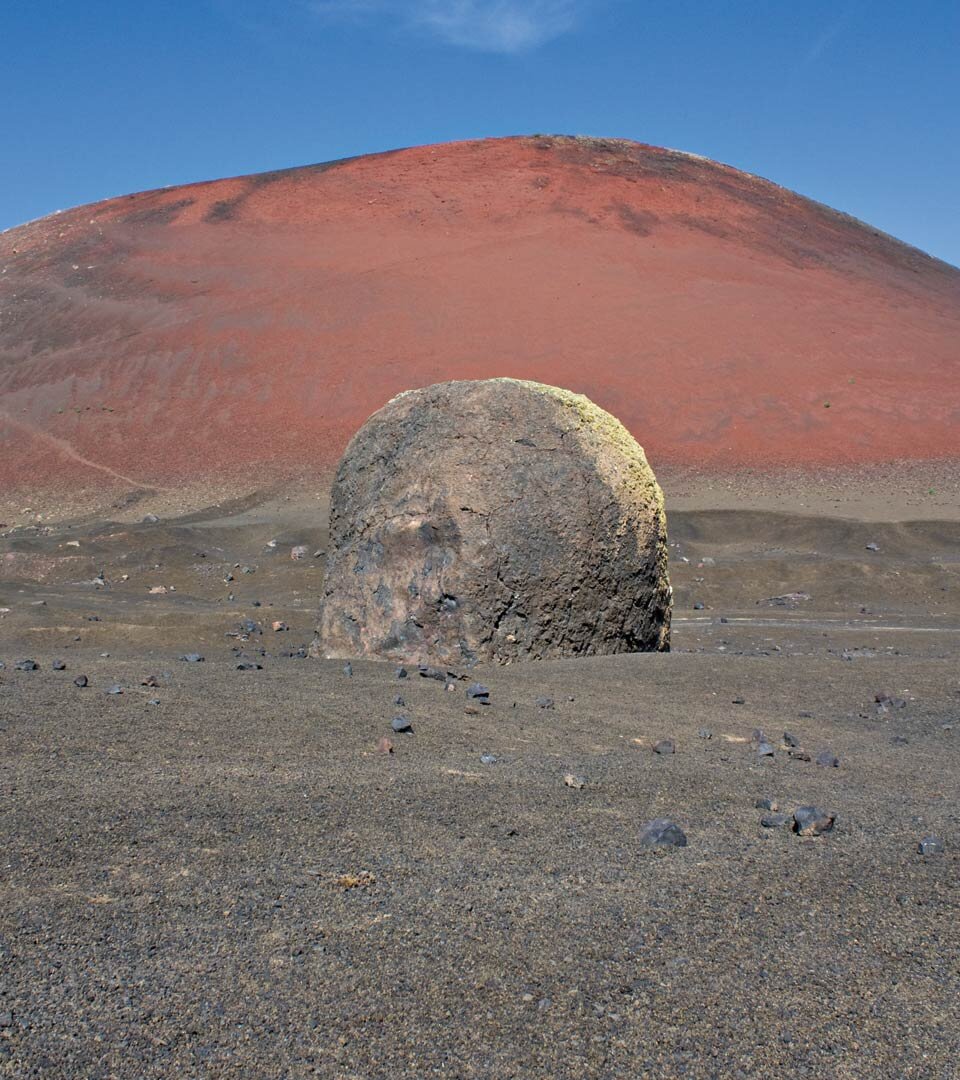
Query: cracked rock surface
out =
(494, 520)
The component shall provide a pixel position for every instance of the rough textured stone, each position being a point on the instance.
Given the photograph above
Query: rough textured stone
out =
(494, 520)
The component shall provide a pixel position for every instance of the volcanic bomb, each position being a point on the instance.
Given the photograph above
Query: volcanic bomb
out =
(494, 520)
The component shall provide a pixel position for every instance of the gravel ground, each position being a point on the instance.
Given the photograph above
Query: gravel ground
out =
(236, 882)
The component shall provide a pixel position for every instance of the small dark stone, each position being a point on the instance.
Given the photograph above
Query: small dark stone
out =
(401, 725)
(427, 672)
(192, 658)
(899, 740)
(799, 755)
(401, 672)
(764, 749)
(739, 701)
(544, 702)
(488, 759)
(704, 733)
(26, 665)
(766, 804)
(661, 832)
(931, 845)
(775, 821)
(828, 759)
(93, 618)
(348, 669)
(114, 690)
(873, 547)
(478, 692)
(150, 680)
(664, 746)
(790, 739)
(81, 681)
(150, 519)
(59, 665)
(398, 700)
(249, 665)
(698, 606)
(812, 821)
(724, 619)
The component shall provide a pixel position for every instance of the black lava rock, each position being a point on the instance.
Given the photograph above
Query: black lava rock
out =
(828, 759)
(401, 673)
(790, 739)
(59, 665)
(192, 658)
(81, 681)
(812, 821)
(776, 821)
(931, 845)
(662, 832)
(665, 746)
(401, 725)
(26, 665)
(479, 693)
(348, 669)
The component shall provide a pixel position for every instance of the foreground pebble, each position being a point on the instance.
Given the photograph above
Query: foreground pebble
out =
(662, 832)
(812, 821)
(931, 845)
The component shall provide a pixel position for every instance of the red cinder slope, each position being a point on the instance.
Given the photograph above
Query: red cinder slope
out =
(251, 325)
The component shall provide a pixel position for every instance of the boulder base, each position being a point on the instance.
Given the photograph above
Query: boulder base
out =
(494, 520)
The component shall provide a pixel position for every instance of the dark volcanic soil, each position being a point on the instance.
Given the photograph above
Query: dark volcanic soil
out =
(234, 882)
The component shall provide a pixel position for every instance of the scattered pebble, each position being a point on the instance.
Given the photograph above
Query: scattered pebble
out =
(698, 606)
(873, 547)
(114, 690)
(81, 681)
(764, 749)
(192, 658)
(790, 739)
(300, 551)
(766, 804)
(348, 669)
(26, 665)
(662, 832)
(544, 702)
(828, 759)
(899, 740)
(574, 781)
(150, 680)
(704, 733)
(488, 759)
(739, 701)
(427, 672)
(812, 821)
(665, 746)
(384, 745)
(478, 692)
(799, 755)
(931, 845)
(401, 673)
(776, 821)
(249, 665)
(401, 725)
(59, 665)
(278, 626)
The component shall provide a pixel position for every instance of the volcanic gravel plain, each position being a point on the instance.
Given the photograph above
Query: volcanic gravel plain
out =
(221, 859)
(219, 871)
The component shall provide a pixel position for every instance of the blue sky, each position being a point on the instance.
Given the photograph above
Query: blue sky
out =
(853, 102)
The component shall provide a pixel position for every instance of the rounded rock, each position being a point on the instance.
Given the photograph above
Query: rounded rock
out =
(494, 520)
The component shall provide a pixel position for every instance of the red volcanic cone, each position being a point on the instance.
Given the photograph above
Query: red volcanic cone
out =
(249, 326)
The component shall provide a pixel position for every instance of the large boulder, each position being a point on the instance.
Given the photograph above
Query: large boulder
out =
(494, 520)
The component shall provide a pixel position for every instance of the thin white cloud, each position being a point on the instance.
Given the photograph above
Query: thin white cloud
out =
(504, 26)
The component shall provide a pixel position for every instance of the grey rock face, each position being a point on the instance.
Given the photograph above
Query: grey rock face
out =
(494, 520)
